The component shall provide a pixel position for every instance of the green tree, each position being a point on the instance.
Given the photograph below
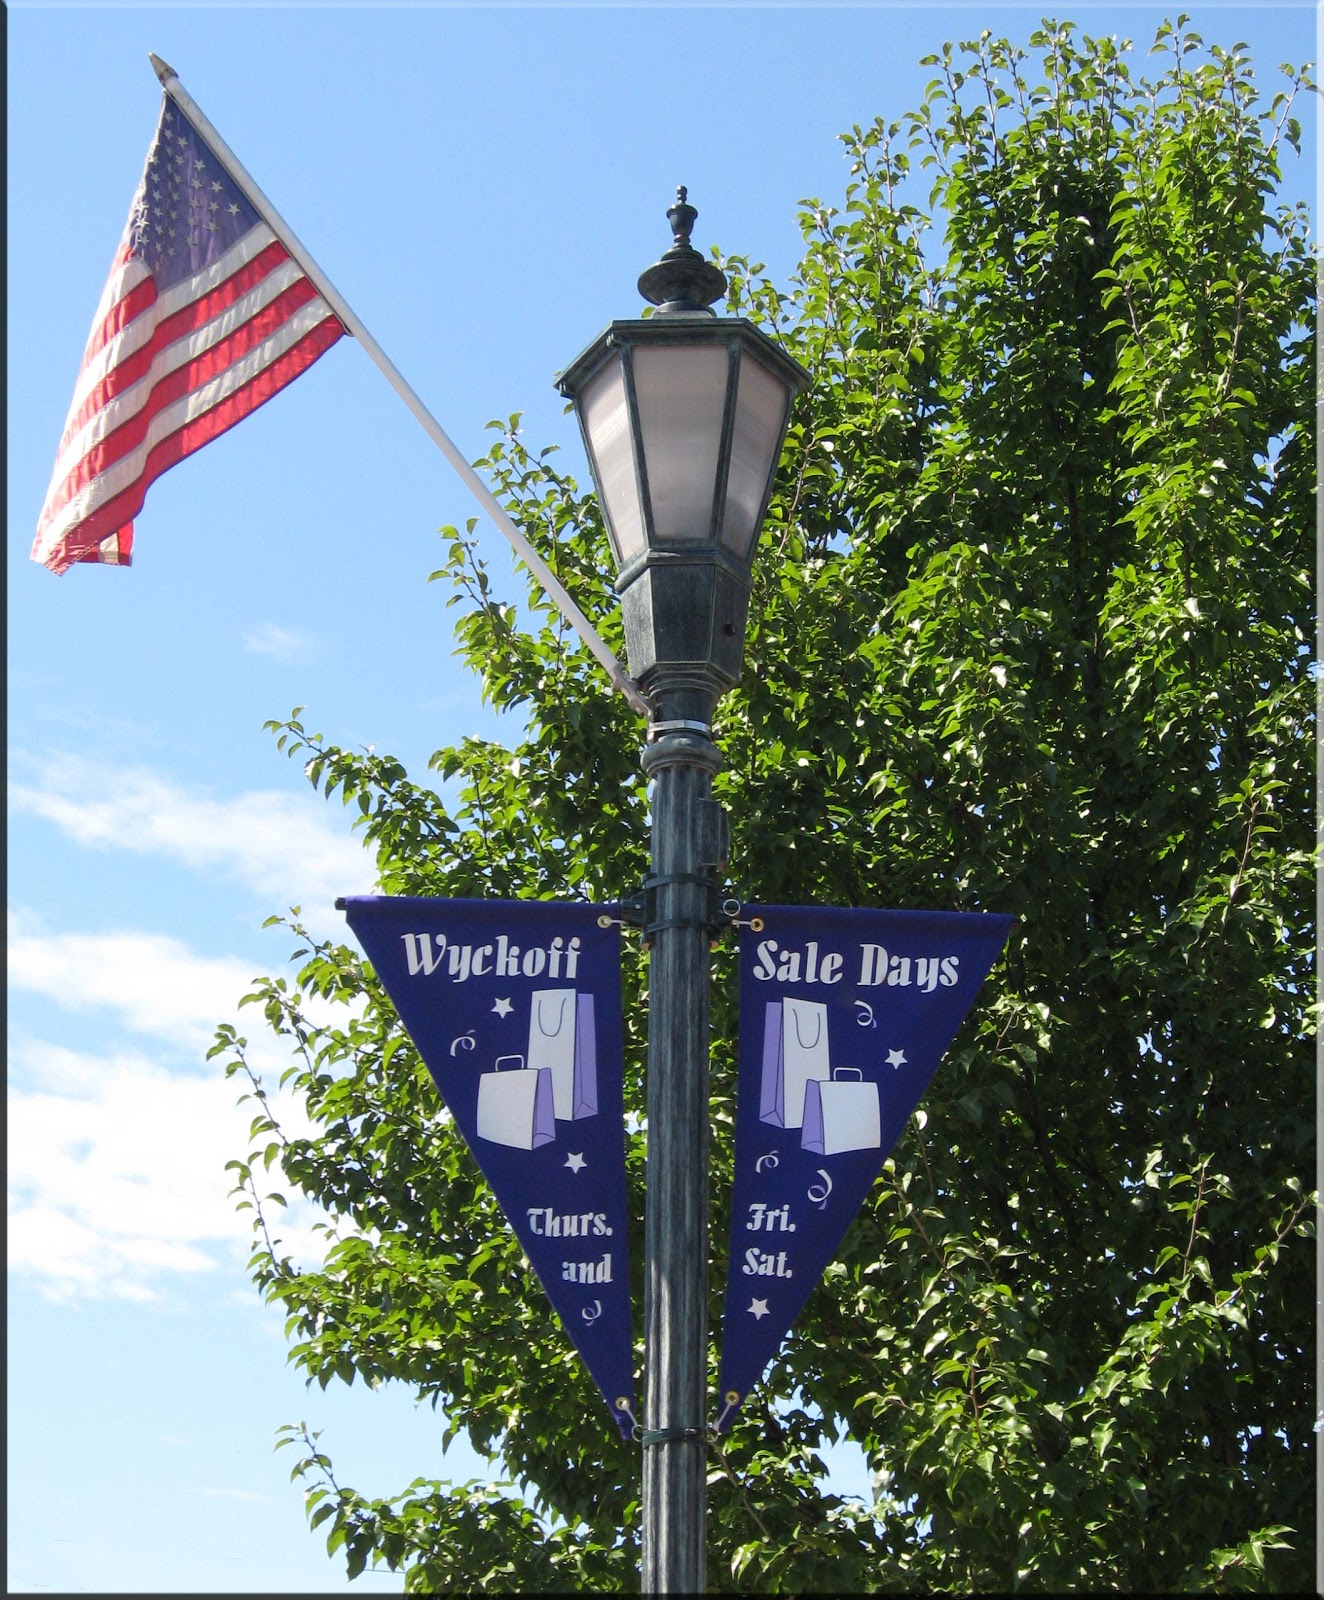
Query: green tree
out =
(1031, 632)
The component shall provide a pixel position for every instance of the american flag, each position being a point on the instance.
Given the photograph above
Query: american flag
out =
(204, 317)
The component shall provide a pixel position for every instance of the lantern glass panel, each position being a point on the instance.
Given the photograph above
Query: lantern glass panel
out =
(681, 393)
(761, 402)
(606, 420)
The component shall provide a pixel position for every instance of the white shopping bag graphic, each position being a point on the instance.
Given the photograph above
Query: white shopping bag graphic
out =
(841, 1114)
(795, 1052)
(515, 1107)
(562, 1038)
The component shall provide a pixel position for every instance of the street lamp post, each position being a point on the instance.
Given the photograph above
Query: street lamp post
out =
(683, 416)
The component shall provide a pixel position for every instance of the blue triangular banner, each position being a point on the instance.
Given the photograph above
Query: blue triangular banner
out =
(515, 1007)
(844, 1017)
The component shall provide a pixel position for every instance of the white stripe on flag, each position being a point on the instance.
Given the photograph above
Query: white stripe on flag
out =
(128, 275)
(130, 401)
(173, 417)
(139, 331)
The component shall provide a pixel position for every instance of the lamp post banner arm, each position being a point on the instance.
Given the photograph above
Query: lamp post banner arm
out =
(353, 324)
(515, 1008)
(845, 1015)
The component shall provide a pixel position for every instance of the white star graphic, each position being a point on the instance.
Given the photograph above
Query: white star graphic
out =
(576, 1163)
(758, 1309)
(503, 1008)
(896, 1058)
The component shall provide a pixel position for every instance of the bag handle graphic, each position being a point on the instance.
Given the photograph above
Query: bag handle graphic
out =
(808, 1044)
(500, 1059)
(837, 1072)
(551, 1033)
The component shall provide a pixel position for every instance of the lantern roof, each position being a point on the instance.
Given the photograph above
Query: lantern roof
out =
(681, 328)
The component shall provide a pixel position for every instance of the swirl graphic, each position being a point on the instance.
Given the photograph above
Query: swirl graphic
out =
(819, 1192)
(466, 1041)
(770, 1160)
(591, 1313)
(866, 1021)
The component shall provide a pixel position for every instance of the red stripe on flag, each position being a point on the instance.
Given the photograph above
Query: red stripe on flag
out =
(177, 325)
(125, 310)
(175, 385)
(117, 513)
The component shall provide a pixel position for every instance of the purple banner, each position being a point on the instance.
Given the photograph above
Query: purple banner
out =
(844, 1017)
(515, 1007)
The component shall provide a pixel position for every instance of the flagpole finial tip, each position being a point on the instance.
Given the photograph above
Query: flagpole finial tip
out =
(162, 69)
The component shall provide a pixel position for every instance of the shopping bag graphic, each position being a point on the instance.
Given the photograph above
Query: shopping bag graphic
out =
(515, 1108)
(841, 1114)
(795, 1053)
(562, 1038)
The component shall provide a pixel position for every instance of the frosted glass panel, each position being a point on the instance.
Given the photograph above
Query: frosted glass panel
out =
(607, 424)
(681, 392)
(755, 442)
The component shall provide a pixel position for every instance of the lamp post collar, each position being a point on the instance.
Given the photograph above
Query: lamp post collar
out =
(682, 282)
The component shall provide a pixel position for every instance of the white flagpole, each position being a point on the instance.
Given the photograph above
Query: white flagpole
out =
(530, 557)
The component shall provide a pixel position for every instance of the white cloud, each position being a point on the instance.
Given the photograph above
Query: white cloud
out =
(116, 1165)
(285, 847)
(282, 644)
(116, 1174)
(152, 984)
(155, 984)
(116, 1170)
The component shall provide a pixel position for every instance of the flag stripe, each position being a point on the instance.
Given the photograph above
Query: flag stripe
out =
(137, 292)
(126, 271)
(103, 354)
(180, 404)
(193, 431)
(132, 352)
(174, 343)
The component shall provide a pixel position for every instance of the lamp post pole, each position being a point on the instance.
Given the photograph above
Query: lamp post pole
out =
(681, 766)
(683, 415)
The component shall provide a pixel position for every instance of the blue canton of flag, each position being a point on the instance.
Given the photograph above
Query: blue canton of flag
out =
(187, 212)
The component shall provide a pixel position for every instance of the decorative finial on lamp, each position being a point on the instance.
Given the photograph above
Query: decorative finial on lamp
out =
(681, 217)
(682, 281)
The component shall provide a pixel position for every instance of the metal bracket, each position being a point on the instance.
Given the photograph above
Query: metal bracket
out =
(652, 1436)
(729, 910)
(632, 914)
(640, 910)
(714, 830)
(711, 924)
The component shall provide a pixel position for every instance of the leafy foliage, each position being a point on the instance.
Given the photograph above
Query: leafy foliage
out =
(1031, 632)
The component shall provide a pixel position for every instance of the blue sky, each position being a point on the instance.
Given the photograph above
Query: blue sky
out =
(483, 185)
